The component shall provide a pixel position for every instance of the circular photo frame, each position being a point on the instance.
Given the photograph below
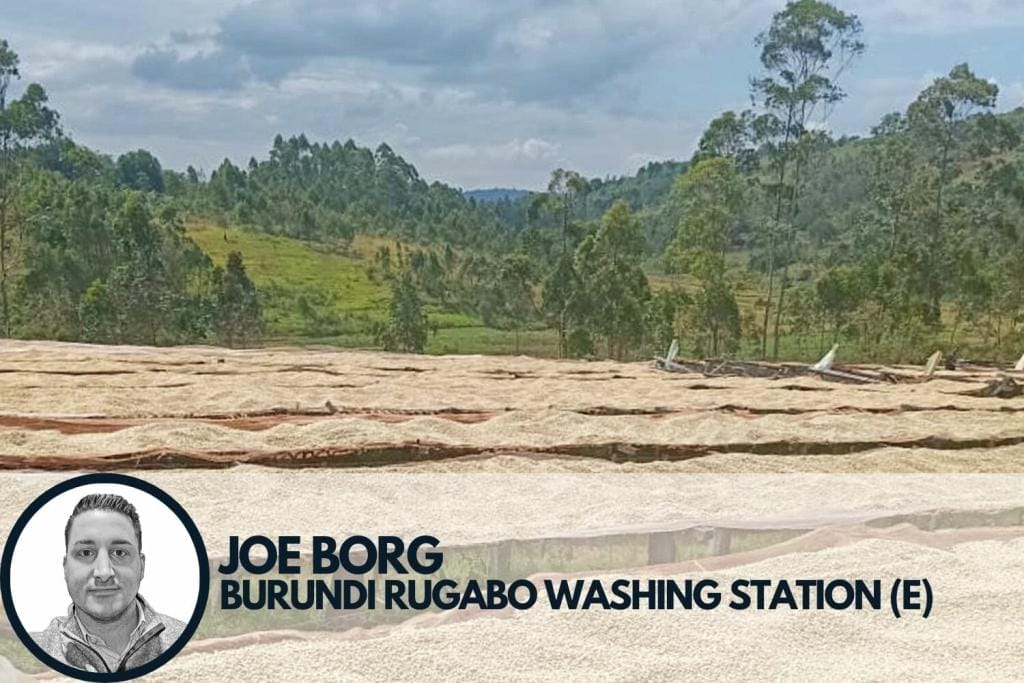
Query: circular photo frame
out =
(103, 564)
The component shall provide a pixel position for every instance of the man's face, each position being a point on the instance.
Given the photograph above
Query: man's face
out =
(103, 565)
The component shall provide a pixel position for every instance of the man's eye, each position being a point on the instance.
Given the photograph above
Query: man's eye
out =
(85, 553)
(120, 553)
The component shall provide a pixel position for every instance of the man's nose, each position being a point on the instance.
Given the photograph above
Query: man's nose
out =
(101, 569)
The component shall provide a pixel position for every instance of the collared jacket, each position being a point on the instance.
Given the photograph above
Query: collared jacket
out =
(64, 640)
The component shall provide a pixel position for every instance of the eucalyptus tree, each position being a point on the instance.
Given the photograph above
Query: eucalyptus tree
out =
(730, 136)
(140, 170)
(406, 326)
(24, 122)
(239, 314)
(564, 201)
(937, 120)
(613, 291)
(711, 196)
(805, 50)
(507, 301)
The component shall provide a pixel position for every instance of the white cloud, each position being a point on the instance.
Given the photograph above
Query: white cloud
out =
(531, 149)
(938, 16)
(473, 93)
(534, 50)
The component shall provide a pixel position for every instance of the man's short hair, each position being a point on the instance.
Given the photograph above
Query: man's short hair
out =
(105, 501)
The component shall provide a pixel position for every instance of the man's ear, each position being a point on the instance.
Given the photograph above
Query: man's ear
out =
(142, 570)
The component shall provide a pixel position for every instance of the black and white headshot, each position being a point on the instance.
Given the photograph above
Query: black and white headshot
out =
(103, 584)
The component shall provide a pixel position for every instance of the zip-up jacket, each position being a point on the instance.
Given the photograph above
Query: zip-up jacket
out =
(65, 641)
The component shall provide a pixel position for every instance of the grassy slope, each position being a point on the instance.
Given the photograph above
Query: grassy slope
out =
(335, 286)
(315, 295)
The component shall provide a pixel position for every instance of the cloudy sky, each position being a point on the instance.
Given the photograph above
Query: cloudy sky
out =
(476, 94)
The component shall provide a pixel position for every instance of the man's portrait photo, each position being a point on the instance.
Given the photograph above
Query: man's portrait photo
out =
(105, 579)
(109, 626)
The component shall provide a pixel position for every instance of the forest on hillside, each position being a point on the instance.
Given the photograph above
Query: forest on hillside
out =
(774, 240)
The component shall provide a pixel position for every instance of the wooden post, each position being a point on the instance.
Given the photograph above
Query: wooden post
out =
(499, 560)
(721, 540)
(661, 547)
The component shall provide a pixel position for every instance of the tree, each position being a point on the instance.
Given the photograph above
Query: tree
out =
(729, 136)
(566, 191)
(139, 283)
(804, 51)
(406, 327)
(227, 185)
(23, 122)
(508, 298)
(140, 170)
(318, 191)
(711, 194)
(937, 119)
(560, 290)
(98, 315)
(881, 237)
(715, 315)
(239, 314)
(611, 281)
(838, 294)
(660, 318)
(997, 219)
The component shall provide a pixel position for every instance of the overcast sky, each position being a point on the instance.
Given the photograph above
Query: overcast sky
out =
(476, 94)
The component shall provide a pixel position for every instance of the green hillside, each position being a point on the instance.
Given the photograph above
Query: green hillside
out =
(314, 293)
(773, 240)
(307, 290)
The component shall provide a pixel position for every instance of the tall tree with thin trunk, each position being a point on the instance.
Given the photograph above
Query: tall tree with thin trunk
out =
(406, 327)
(937, 120)
(711, 195)
(612, 282)
(23, 122)
(566, 192)
(239, 314)
(807, 47)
